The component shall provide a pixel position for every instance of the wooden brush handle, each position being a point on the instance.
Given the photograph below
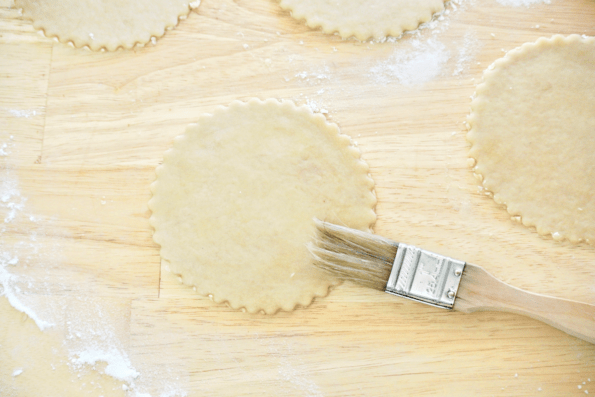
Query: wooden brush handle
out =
(480, 291)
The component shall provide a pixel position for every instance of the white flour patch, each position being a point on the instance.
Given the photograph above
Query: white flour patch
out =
(437, 24)
(23, 113)
(118, 363)
(322, 78)
(32, 280)
(467, 50)
(290, 367)
(313, 77)
(423, 62)
(17, 372)
(93, 327)
(5, 147)
(10, 290)
(424, 57)
(522, 3)
(11, 206)
(11, 201)
(315, 106)
(415, 59)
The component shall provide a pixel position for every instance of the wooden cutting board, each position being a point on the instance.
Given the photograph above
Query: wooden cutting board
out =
(88, 130)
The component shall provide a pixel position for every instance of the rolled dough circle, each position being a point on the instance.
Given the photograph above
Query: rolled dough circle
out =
(532, 131)
(363, 19)
(234, 201)
(108, 24)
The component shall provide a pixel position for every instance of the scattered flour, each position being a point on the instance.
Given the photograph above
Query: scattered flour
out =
(290, 367)
(314, 77)
(118, 363)
(17, 372)
(10, 197)
(11, 292)
(467, 50)
(424, 57)
(417, 58)
(421, 59)
(91, 334)
(11, 205)
(22, 113)
(419, 64)
(437, 24)
(315, 106)
(5, 149)
(90, 339)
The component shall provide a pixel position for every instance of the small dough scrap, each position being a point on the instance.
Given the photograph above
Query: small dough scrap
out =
(234, 201)
(532, 134)
(364, 19)
(108, 24)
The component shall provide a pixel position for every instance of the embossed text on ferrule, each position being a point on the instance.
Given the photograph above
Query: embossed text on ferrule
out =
(425, 276)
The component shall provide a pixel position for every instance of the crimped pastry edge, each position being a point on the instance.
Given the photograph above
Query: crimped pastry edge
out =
(307, 299)
(100, 47)
(509, 58)
(332, 27)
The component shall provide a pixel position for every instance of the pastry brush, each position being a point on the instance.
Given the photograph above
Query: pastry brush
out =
(414, 273)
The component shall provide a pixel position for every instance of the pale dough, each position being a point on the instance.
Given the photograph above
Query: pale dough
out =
(108, 24)
(364, 19)
(532, 130)
(234, 202)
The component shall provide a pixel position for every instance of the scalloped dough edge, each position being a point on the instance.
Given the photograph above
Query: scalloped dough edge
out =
(307, 299)
(476, 99)
(332, 27)
(70, 41)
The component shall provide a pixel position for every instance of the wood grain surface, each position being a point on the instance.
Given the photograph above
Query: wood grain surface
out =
(89, 128)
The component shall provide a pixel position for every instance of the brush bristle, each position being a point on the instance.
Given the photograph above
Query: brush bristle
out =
(353, 255)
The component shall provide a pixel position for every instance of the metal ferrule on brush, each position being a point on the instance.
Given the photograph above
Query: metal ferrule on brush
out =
(425, 277)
